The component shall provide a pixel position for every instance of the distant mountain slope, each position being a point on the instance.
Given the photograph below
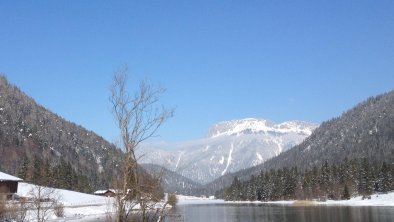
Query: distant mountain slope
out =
(365, 131)
(29, 131)
(171, 181)
(231, 146)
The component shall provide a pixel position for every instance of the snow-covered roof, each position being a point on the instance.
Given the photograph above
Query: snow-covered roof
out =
(100, 191)
(7, 177)
(104, 191)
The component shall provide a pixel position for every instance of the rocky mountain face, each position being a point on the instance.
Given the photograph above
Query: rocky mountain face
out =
(230, 147)
(31, 135)
(364, 132)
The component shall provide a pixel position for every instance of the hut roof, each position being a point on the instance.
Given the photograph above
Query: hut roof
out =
(7, 177)
(100, 192)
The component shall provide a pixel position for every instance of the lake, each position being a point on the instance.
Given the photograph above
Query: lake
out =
(272, 213)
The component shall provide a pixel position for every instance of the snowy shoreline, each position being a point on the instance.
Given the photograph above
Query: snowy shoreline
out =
(88, 207)
(376, 200)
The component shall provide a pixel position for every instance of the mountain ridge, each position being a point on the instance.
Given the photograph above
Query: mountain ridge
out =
(254, 125)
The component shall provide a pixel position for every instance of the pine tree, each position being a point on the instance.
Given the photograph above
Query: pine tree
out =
(234, 192)
(267, 184)
(346, 193)
(315, 182)
(278, 185)
(290, 183)
(251, 189)
(37, 170)
(365, 180)
(259, 186)
(23, 170)
(352, 179)
(47, 174)
(306, 185)
(383, 180)
(325, 180)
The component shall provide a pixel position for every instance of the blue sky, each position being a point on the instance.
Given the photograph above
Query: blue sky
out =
(219, 60)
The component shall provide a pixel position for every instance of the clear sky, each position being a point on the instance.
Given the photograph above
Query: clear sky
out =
(219, 60)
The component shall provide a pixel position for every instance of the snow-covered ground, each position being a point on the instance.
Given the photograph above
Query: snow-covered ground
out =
(67, 197)
(197, 200)
(88, 207)
(376, 200)
(78, 206)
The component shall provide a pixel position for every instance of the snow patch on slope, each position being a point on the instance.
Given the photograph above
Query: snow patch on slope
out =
(221, 161)
(179, 159)
(229, 159)
(259, 156)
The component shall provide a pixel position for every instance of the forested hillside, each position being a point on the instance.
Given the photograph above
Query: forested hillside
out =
(37, 143)
(366, 131)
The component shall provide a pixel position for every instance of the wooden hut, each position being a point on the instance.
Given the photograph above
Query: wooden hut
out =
(8, 184)
(105, 193)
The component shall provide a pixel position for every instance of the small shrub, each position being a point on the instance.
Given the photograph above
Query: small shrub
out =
(58, 209)
(172, 200)
(12, 211)
(23, 208)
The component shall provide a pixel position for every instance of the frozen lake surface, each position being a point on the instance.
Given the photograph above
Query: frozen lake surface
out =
(273, 212)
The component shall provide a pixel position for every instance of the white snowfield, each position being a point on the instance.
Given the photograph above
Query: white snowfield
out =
(67, 197)
(81, 206)
(376, 200)
(77, 205)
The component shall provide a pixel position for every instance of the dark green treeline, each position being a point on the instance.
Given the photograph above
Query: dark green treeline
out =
(60, 175)
(334, 182)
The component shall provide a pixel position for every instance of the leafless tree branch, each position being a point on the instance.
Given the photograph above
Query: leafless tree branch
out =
(138, 118)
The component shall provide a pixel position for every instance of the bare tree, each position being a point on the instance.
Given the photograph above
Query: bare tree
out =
(17, 210)
(12, 210)
(44, 199)
(138, 117)
(3, 206)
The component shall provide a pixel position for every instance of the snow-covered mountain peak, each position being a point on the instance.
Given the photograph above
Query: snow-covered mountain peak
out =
(252, 125)
(231, 146)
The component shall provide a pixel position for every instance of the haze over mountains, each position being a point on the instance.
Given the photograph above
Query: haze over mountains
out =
(229, 147)
(31, 134)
